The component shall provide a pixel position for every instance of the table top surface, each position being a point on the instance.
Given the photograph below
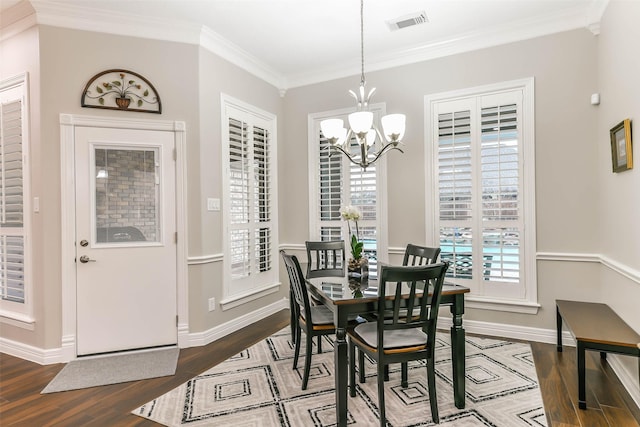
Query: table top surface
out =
(341, 290)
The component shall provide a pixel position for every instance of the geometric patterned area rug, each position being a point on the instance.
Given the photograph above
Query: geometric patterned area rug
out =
(258, 387)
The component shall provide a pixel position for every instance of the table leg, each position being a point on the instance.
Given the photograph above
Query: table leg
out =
(582, 395)
(341, 375)
(458, 351)
(559, 329)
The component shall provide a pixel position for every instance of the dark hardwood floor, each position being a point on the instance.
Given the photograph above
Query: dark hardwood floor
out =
(21, 403)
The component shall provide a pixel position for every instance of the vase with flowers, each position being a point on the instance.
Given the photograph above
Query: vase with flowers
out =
(358, 264)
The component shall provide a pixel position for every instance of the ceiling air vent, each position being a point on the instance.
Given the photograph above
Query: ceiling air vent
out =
(408, 21)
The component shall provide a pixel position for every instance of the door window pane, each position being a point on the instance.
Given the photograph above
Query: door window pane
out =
(127, 189)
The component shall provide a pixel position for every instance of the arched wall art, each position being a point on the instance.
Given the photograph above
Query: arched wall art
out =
(121, 90)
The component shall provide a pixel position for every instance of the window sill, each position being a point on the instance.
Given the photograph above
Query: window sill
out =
(254, 294)
(17, 320)
(513, 306)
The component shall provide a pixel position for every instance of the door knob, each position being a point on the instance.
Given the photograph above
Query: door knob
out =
(85, 259)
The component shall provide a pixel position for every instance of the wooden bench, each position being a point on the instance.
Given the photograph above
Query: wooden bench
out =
(595, 327)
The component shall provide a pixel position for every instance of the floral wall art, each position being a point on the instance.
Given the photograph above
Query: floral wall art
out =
(121, 90)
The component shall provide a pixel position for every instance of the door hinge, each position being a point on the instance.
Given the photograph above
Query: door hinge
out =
(176, 320)
(175, 237)
(175, 154)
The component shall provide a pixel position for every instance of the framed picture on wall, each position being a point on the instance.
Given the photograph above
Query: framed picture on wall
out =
(621, 147)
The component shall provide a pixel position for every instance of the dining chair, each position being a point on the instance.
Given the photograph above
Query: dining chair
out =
(408, 334)
(420, 255)
(413, 255)
(314, 320)
(325, 259)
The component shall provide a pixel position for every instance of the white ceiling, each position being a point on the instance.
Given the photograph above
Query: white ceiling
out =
(296, 42)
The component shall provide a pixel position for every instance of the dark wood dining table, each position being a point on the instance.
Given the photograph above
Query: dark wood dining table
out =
(345, 303)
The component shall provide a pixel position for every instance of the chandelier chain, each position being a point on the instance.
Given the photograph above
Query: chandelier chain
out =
(362, 41)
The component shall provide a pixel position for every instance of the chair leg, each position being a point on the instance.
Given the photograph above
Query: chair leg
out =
(405, 375)
(296, 352)
(352, 368)
(307, 362)
(361, 363)
(319, 344)
(294, 316)
(386, 372)
(433, 399)
(381, 370)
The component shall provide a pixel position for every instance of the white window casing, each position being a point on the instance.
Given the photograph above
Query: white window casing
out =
(250, 202)
(481, 191)
(16, 305)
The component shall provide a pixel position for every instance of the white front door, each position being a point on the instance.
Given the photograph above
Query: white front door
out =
(125, 239)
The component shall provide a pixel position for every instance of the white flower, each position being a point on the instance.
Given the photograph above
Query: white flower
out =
(350, 213)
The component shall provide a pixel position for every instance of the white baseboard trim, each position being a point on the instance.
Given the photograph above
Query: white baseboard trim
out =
(66, 352)
(203, 338)
(630, 381)
(503, 330)
(33, 354)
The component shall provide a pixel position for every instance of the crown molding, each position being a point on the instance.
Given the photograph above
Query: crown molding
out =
(215, 43)
(100, 21)
(89, 19)
(16, 19)
(594, 15)
(511, 32)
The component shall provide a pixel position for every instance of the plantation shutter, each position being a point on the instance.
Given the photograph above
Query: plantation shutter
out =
(330, 191)
(239, 197)
(12, 257)
(363, 195)
(455, 190)
(479, 174)
(500, 189)
(250, 217)
(262, 198)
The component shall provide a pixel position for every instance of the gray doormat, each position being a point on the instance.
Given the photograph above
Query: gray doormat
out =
(113, 369)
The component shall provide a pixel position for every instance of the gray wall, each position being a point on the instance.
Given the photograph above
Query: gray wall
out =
(564, 67)
(618, 205)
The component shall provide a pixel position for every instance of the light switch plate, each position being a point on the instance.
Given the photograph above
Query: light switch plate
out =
(213, 204)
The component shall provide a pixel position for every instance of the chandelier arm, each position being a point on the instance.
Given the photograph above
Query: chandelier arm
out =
(384, 149)
(351, 159)
(337, 147)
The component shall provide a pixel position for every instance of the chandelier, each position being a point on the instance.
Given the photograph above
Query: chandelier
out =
(361, 125)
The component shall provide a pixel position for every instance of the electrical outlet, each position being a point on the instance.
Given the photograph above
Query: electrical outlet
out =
(212, 304)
